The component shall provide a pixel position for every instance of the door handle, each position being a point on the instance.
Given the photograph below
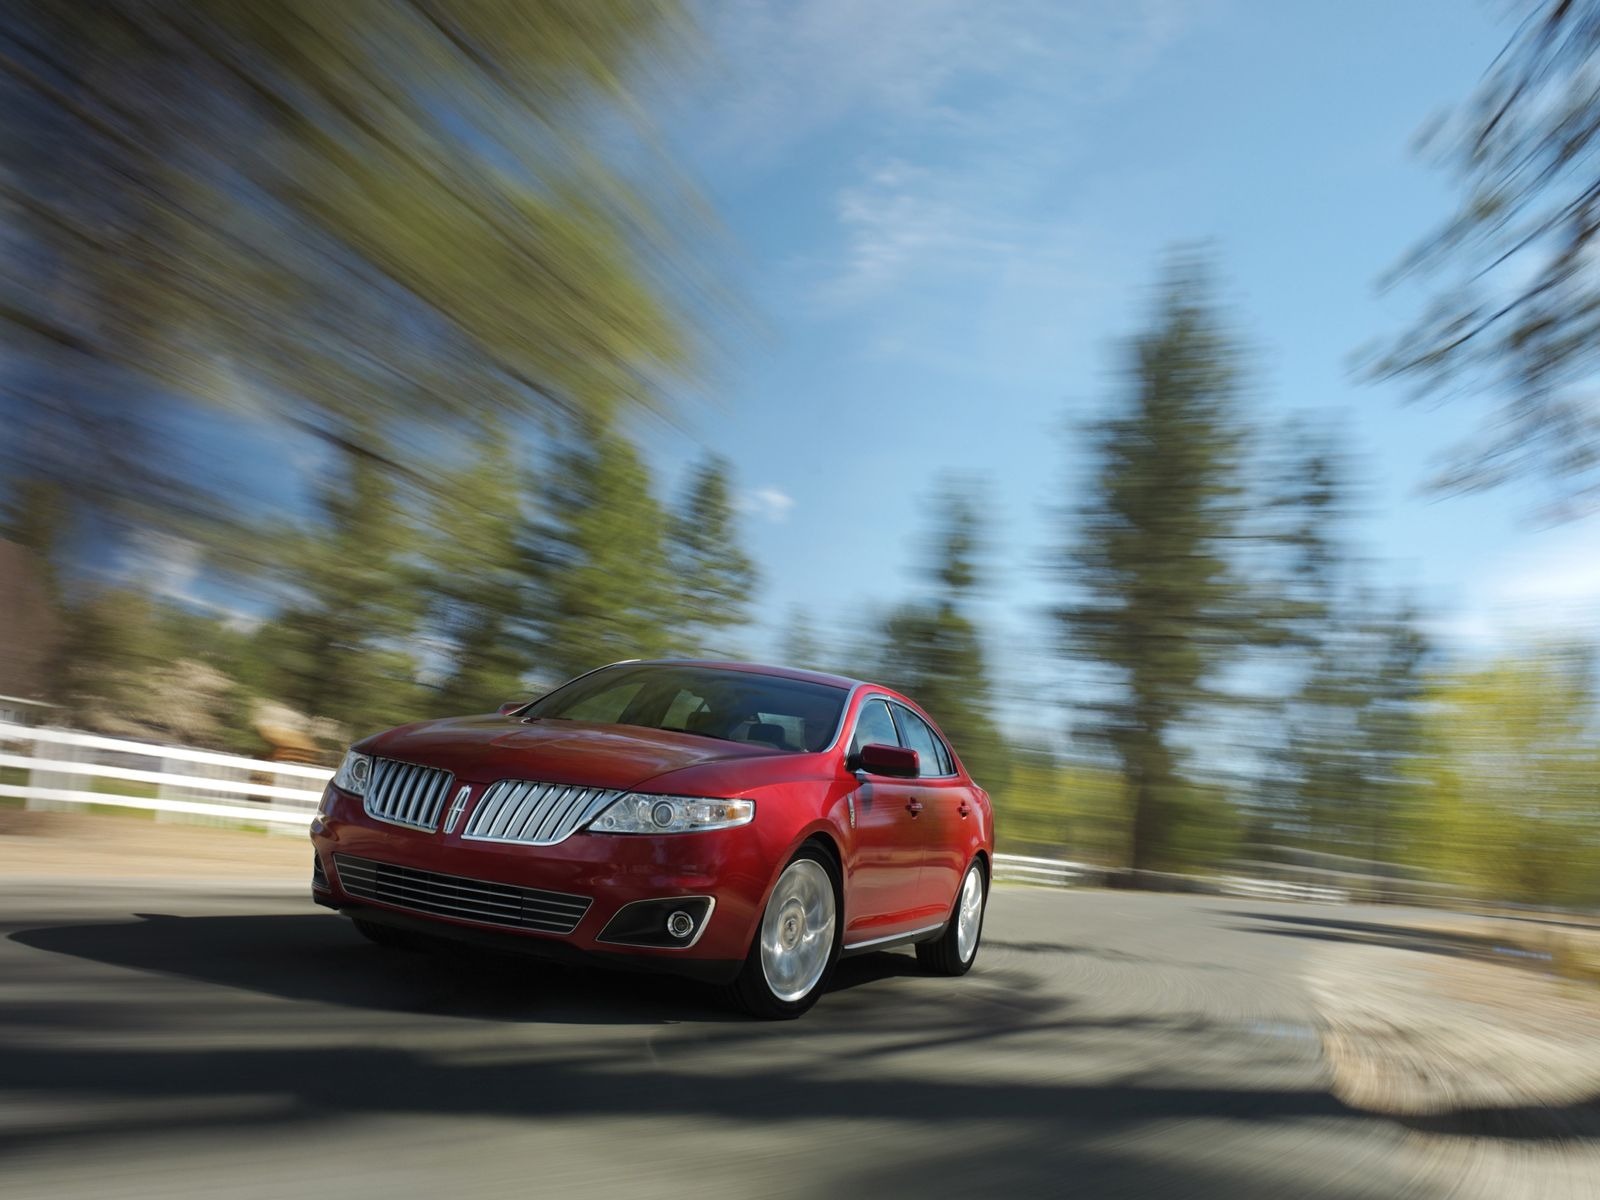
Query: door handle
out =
(913, 807)
(963, 810)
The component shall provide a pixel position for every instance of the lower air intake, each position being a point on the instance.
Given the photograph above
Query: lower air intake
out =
(476, 900)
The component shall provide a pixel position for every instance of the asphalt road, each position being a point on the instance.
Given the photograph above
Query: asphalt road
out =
(237, 1042)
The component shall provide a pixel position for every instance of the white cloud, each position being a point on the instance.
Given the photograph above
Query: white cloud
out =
(1547, 587)
(922, 66)
(769, 503)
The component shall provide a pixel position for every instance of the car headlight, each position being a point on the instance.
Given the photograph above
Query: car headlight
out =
(636, 813)
(353, 774)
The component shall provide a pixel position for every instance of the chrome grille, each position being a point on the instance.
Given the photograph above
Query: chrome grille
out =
(535, 814)
(475, 900)
(406, 794)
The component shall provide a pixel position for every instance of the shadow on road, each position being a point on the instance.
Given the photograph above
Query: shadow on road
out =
(924, 1060)
(318, 958)
(1367, 933)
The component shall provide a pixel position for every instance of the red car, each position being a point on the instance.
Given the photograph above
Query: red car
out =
(740, 824)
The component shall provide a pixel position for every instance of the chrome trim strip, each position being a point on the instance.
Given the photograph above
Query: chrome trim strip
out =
(698, 933)
(473, 909)
(894, 937)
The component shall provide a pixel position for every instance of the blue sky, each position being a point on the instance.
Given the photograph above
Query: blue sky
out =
(944, 215)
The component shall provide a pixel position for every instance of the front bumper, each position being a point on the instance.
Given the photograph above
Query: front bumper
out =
(731, 867)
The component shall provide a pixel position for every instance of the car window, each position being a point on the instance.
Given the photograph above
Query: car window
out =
(921, 739)
(732, 705)
(605, 707)
(874, 727)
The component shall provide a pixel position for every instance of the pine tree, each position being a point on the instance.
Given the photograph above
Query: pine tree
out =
(603, 560)
(712, 574)
(933, 651)
(1155, 595)
(479, 592)
(343, 645)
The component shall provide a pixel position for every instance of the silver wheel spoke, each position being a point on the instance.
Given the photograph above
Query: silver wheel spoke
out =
(797, 930)
(969, 914)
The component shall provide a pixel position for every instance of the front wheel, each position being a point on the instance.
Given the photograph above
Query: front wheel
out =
(797, 944)
(954, 950)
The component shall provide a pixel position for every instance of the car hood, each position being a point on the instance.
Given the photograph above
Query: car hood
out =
(483, 749)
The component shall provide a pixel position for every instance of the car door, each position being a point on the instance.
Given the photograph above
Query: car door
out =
(885, 876)
(945, 818)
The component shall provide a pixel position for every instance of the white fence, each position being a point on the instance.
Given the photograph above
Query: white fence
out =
(60, 767)
(1016, 868)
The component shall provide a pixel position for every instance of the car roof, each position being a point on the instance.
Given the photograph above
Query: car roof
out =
(843, 681)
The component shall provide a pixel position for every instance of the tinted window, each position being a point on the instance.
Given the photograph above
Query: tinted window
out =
(874, 727)
(922, 739)
(735, 706)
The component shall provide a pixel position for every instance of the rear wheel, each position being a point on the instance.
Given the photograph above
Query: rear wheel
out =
(955, 949)
(798, 941)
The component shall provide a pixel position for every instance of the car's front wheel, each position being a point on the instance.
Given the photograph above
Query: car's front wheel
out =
(955, 949)
(798, 941)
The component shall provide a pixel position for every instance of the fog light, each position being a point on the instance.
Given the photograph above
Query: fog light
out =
(680, 924)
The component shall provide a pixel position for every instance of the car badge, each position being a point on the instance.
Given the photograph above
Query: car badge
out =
(456, 807)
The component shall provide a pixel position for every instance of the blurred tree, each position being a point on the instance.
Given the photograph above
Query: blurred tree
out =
(1150, 555)
(476, 583)
(932, 650)
(1508, 796)
(341, 644)
(711, 573)
(1352, 730)
(1517, 310)
(136, 667)
(802, 645)
(604, 567)
(342, 217)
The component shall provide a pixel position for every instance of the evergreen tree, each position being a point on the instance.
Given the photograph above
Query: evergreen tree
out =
(933, 651)
(477, 583)
(343, 644)
(801, 646)
(712, 574)
(1150, 555)
(604, 567)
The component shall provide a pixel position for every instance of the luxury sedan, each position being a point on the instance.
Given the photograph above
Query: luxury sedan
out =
(744, 825)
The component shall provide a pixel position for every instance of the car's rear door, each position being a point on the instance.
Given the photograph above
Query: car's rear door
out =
(945, 817)
(885, 892)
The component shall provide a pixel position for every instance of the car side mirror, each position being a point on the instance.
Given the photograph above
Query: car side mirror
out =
(511, 706)
(895, 761)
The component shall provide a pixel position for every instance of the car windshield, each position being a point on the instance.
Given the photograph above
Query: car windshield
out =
(734, 706)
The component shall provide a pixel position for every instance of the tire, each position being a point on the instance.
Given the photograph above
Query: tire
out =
(797, 943)
(956, 948)
(388, 936)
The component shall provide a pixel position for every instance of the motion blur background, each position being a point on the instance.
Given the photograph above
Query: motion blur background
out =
(1059, 364)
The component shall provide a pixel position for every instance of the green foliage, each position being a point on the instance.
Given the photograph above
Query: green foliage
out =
(605, 576)
(340, 647)
(1156, 596)
(933, 652)
(476, 582)
(1051, 808)
(1506, 803)
(711, 573)
(137, 668)
(343, 217)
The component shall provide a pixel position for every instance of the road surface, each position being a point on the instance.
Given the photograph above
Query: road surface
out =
(233, 1041)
